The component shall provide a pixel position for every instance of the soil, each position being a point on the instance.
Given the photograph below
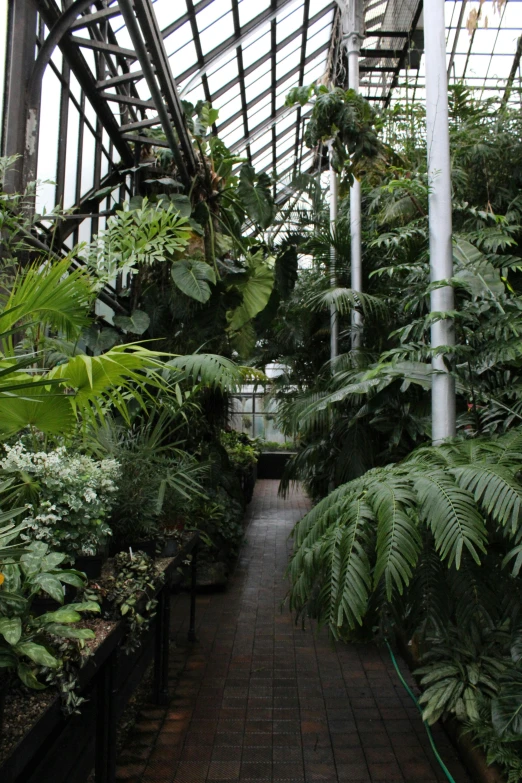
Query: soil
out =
(24, 707)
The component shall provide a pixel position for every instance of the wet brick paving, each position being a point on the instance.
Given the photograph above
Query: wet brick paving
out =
(259, 699)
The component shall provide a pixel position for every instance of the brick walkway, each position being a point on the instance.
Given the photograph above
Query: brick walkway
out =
(260, 699)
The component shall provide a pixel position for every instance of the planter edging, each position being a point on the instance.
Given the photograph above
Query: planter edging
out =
(473, 757)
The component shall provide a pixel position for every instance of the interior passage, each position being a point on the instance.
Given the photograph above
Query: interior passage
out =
(261, 699)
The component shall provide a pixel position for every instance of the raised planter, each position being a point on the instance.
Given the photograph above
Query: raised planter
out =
(271, 464)
(474, 758)
(65, 749)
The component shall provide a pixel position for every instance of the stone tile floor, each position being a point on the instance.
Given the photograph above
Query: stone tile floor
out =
(259, 699)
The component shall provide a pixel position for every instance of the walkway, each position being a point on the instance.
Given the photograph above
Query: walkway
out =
(259, 699)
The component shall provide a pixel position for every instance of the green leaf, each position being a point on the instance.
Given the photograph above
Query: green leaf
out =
(506, 708)
(74, 578)
(13, 601)
(452, 515)
(46, 409)
(255, 196)
(38, 654)
(256, 289)
(51, 585)
(11, 629)
(28, 678)
(475, 271)
(192, 277)
(63, 615)
(85, 606)
(137, 323)
(66, 632)
(7, 660)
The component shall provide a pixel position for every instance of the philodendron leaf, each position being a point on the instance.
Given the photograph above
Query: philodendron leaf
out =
(255, 195)
(193, 278)
(11, 629)
(100, 340)
(38, 654)
(256, 290)
(137, 322)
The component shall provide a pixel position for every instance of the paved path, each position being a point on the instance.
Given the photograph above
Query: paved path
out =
(259, 699)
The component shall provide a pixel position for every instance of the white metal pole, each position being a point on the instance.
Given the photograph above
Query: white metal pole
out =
(353, 23)
(334, 320)
(439, 173)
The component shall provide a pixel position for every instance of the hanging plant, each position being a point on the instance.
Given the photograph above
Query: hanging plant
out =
(342, 117)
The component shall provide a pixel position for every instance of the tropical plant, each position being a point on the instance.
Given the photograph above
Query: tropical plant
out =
(359, 549)
(27, 642)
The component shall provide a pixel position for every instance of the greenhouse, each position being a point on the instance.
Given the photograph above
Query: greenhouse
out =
(261, 391)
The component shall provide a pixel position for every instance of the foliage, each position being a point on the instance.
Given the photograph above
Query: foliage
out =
(129, 594)
(157, 478)
(461, 672)
(342, 117)
(69, 496)
(30, 645)
(366, 539)
(243, 452)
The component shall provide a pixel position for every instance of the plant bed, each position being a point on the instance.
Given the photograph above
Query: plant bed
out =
(41, 743)
(271, 464)
(472, 756)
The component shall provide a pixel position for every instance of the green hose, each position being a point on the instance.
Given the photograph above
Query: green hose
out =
(428, 730)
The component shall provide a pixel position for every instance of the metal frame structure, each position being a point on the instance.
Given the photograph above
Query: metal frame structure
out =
(115, 71)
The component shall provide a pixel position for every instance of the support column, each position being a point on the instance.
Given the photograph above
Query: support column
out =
(21, 54)
(354, 49)
(440, 217)
(334, 318)
(353, 33)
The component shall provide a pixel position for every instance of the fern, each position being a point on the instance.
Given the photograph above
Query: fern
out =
(369, 534)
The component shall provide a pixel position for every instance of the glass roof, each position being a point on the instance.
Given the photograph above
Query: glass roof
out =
(243, 56)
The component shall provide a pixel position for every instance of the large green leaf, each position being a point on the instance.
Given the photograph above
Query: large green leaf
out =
(192, 277)
(255, 196)
(474, 270)
(136, 323)
(452, 515)
(51, 585)
(46, 409)
(38, 654)
(11, 629)
(255, 288)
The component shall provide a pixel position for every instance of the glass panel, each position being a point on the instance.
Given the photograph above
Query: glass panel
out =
(248, 10)
(219, 31)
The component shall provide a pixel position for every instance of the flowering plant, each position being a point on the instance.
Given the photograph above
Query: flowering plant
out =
(70, 496)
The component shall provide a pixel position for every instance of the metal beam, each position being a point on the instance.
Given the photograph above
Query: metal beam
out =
(513, 72)
(457, 35)
(271, 54)
(100, 16)
(268, 90)
(51, 15)
(306, 16)
(91, 43)
(216, 55)
(241, 75)
(158, 67)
